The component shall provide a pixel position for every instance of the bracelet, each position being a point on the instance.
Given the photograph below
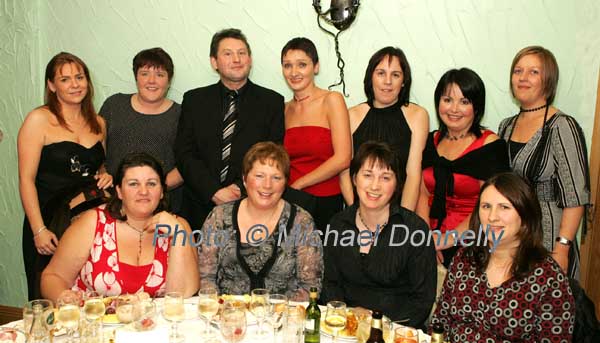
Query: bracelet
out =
(562, 240)
(39, 231)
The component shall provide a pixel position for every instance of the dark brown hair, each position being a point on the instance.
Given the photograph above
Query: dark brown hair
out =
(385, 53)
(521, 195)
(51, 100)
(302, 44)
(264, 151)
(155, 57)
(227, 33)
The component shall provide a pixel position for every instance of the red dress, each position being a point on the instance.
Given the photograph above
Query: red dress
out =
(466, 189)
(105, 274)
(309, 147)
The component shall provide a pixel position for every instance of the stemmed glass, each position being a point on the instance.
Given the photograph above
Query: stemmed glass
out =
(43, 309)
(335, 318)
(208, 305)
(174, 312)
(259, 303)
(69, 313)
(233, 324)
(277, 312)
(94, 308)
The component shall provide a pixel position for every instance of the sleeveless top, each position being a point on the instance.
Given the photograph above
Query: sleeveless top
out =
(128, 130)
(466, 189)
(387, 125)
(309, 147)
(105, 274)
(64, 165)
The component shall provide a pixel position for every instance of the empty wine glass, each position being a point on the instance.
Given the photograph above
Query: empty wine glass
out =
(208, 305)
(174, 312)
(335, 318)
(233, 324)
(69, 313)
(277, 312)
(259, 303)
(94, 308)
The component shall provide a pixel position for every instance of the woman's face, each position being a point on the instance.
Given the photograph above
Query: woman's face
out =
(499, 214)
(388, 80)
(70, 84)
(298, 69)
(456, 111)
(152, 83)
(526, 81)
(375, 185)
(264, 184)
(140, 191)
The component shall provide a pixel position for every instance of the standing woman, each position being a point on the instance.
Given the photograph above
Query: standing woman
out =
(60, 146)
(457, 158)
(317, 131)
(548, 148)
(146, 121)
(389, 117)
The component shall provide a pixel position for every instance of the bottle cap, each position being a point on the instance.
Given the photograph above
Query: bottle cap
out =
(376, 314)
(438, 328)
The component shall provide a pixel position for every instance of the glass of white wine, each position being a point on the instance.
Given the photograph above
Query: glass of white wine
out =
(277, 312)
(208, 305)
(94, 308)
(174, 312)
(335, 318)
(69, 314)
(259, 306)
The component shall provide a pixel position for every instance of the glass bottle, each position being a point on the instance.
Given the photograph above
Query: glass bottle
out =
(38, 331)
(312, 324)
(376, 335)
(437, 333)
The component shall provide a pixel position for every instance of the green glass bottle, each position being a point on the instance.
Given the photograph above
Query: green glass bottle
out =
(312, 324)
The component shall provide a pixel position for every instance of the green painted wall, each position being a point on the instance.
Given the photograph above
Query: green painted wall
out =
(435, 35)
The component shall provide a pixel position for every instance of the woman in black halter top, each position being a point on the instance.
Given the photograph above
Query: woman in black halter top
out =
(389, 117)
(61, 151)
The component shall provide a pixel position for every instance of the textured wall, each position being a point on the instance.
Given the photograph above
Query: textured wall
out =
(436, 35)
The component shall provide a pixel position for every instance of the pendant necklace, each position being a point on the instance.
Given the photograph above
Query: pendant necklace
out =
(141, 233)
(373, 233)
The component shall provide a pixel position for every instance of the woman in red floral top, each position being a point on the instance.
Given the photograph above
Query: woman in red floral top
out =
(511, 292)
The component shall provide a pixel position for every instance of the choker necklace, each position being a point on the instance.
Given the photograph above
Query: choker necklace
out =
(522, 110)
(373, 233)
(301, 99)
(455, 138)
(141, 233)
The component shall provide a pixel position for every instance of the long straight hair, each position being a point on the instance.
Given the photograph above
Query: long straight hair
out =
(51, 100)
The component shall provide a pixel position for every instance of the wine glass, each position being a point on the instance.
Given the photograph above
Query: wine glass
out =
(69, 314)
(233, 324)
(294, 327)
(406, 334)
(259, 303)
(44, 309)
(277, 312)
(94, 308)
(174, 312)
(208, 305)
(335, 318)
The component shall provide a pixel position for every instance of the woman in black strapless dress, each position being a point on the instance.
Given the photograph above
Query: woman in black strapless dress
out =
(61, 153)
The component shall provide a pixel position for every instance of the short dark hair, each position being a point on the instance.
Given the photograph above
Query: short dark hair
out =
(227, 33)
(388, 52)
(472, 87)
(549, 70)
(522, 196)
(303, 44)
(263, 151)
(131, 160)
(381, 154)
(155, 57)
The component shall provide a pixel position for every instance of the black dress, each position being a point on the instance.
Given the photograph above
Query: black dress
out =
(387, 125)
(63, 167)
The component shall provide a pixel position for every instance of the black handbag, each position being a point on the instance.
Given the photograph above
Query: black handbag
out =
(587, 328)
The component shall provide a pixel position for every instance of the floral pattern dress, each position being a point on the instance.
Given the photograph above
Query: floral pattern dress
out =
(105, 274)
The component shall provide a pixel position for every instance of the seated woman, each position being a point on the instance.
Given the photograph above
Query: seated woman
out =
(388, 116)
(113, 249)
(457, 158)
(376, 271)
(513, 291)
(251, 255)
(317, 132)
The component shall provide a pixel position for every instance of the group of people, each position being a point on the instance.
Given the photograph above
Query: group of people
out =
(234, 157)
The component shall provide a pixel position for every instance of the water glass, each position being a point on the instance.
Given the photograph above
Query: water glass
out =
(294, 326)
(233, 324)
(259, 303)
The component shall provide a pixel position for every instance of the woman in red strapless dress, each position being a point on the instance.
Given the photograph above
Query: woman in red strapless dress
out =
(317, 135)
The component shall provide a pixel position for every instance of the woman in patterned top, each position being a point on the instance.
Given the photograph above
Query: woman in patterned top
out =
(511, 292)
(548, 148)
(243, 242)
(113, 250)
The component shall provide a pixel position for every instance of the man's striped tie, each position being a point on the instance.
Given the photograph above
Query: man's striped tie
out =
(229, 120)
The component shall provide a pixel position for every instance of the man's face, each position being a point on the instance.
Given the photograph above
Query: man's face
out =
(233, 61)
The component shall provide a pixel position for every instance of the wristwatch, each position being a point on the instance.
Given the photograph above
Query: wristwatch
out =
(563, 241)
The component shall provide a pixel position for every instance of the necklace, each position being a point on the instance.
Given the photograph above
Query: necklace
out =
(301, 99)
(360, 217)
(141, 233)
(455, 138)
(523, 110)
